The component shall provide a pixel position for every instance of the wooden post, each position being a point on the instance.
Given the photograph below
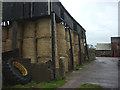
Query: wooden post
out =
(53, 42)
(14, 34)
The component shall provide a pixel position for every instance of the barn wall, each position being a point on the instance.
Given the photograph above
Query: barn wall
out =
(106, 53)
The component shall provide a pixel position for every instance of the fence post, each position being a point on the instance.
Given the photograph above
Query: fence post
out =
(14, 34)
(71, 50)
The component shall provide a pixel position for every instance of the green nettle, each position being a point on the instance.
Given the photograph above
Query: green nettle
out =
(32, 84)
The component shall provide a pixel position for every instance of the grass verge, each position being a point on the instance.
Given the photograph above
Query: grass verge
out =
(79, 67)
(90, 86)
(32, 84)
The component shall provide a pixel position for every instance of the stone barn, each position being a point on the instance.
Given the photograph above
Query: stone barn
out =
(103, 49)
(115, 44)
(46, 34)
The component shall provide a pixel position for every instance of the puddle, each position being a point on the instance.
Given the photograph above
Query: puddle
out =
(101, 61)
(93, 83)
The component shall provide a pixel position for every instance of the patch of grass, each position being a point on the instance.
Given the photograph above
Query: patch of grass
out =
(32, 84)
(54, 84)
(79, 67)
(19, 86)
(90, 86)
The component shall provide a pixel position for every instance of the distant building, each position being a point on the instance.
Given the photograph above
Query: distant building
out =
(109, 49)
(103, 49)
(115, 45)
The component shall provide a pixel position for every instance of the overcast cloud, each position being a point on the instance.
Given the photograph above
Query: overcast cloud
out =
(98, 17)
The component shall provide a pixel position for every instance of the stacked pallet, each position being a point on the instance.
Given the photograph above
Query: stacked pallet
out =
(56, 49)
(44, 42)
(67, 38)
(82, 50)
(4, 37)
(29, 42)
(7, 37)
(34, 40)
(76, 48)
(20, 37)
(61, 44)
(8, 44)
(75, 44)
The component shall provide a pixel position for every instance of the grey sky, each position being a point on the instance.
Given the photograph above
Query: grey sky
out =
(98, 17)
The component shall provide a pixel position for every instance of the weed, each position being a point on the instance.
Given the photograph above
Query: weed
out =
(90, 86)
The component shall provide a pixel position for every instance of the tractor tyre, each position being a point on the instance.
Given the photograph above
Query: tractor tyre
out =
(15, 72)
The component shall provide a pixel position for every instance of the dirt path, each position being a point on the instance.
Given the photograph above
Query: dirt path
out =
(102, 71)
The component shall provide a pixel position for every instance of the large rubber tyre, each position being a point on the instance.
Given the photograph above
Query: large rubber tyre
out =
(13, 75)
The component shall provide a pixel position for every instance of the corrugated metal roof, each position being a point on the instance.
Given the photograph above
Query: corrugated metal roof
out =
(103, 46)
